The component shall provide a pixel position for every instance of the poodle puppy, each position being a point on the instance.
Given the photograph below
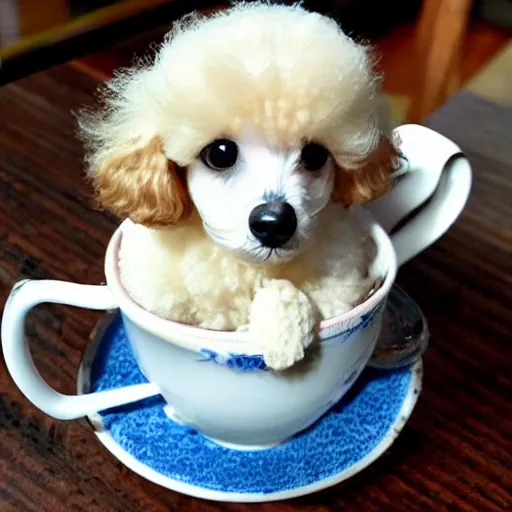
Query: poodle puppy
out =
(235, 153)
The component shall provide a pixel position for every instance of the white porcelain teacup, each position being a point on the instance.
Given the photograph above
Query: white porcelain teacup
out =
(212, 380)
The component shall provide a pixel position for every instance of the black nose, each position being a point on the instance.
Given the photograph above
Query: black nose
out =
(273, 224)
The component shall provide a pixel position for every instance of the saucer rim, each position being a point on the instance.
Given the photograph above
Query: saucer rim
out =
(141, 469)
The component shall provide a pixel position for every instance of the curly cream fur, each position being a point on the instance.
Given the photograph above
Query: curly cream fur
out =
(293, 73)
(181, 275)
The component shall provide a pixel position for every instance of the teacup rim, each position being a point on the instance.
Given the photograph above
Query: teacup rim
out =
(197, 338)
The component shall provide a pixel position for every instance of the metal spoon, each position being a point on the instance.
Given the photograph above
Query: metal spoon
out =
(404, 334)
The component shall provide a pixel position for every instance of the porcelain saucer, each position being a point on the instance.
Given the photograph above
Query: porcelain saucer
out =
(353, 434)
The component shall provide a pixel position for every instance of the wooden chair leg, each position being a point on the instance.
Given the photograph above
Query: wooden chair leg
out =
(440, 33)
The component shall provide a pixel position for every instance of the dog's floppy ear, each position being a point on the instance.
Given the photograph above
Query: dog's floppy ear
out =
(127, 165)
(138, 181)
(371, 178)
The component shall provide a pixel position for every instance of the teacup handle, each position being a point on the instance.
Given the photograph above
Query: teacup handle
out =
(24, 296)
(435, 171)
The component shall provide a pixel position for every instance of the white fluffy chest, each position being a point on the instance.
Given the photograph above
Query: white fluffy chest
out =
(181, 275)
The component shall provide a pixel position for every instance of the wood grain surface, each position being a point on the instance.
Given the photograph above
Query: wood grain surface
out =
(455, 454)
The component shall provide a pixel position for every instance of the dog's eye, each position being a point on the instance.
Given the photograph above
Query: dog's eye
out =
(313, 156)
(220, 154)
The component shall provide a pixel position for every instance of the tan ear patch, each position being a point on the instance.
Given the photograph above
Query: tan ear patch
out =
(371, 179)
(140, 183)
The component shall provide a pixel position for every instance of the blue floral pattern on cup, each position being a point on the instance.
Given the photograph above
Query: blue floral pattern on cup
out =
(365, 321)
(239, 362)
(255, 362)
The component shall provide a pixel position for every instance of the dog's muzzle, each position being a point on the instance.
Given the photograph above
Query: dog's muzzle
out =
(273, 223)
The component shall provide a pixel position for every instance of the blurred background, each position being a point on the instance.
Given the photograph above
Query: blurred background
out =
(429, 48)
(447, 64)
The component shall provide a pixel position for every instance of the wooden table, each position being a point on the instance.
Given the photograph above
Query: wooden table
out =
(456, 451)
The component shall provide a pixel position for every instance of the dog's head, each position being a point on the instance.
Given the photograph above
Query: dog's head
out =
(257, 118)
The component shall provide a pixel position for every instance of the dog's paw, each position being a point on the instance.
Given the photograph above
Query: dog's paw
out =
(282, 322)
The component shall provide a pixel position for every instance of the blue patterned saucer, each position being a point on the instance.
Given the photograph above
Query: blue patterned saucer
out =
(353, 434)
